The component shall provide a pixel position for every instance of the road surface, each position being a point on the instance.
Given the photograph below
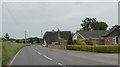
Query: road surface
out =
(38, 55)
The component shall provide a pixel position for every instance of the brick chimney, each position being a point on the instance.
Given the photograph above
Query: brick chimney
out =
(58, 34)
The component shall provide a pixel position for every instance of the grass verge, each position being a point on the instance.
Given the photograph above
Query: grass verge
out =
(0, 52)
(9, 49)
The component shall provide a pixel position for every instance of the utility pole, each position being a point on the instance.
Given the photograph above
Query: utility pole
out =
(25, 35)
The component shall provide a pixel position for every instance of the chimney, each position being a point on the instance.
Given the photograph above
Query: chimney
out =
(58, 33)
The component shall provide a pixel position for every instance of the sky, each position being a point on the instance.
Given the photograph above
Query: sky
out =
(18, 17)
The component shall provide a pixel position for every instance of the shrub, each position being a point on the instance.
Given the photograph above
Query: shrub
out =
(96, 48)
(77, 42)
(62, 40)
(73, 47)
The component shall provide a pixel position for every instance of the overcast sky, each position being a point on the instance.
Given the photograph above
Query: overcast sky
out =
(36, 16)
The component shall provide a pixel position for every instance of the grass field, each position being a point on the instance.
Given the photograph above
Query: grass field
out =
(9, 49)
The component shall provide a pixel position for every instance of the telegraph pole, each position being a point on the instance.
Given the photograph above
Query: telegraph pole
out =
(25, 35)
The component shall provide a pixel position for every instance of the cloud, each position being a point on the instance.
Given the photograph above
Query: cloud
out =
(37, 16)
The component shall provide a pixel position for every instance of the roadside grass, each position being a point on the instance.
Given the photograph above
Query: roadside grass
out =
(0, 52)
(9, 49)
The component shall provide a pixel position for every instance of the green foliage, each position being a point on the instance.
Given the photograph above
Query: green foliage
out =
(87, 23)
(34, 40)
(9, 50)
(95, 48)
(107, 49)
(0, 52)
(92, 24)
(73, 47)
(99, 26)
(78, 42)
(61, 40)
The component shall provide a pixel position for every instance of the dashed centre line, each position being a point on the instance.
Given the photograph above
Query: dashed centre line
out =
(37, 52)
(60, 64)
(43, 55)
(47, 57)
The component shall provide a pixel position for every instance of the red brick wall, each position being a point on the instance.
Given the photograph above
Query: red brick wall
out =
(54, 46)
(108, 41)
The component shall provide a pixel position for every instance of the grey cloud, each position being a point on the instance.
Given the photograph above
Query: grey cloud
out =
(37, 16)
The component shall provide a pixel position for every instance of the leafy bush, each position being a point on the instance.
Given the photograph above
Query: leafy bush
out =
(62, 40)
(96, 48)
(77, 42)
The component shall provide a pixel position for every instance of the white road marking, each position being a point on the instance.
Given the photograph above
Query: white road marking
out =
(60, 64)
(47, 57)
(14, 57)
(37, 52)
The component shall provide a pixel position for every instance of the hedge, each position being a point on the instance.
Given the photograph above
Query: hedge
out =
(95, 48)
(73, 47)
(107, 49)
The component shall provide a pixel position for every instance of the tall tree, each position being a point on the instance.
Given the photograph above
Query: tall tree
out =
(92, 24)
(99, 26)
(86, 25)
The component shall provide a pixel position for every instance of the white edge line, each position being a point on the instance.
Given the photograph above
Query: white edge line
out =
(47, 57)
(14, 57)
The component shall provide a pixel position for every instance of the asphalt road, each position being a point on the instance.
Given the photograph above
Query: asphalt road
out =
(37, 55)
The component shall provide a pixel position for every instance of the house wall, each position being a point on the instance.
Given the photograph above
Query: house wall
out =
(108, 41)
(98, 41)
(74, 37)
(119, 39)
(77, 36)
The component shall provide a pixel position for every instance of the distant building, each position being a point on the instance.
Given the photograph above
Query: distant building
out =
(52, 37)
(91, 37)
(100, 37)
